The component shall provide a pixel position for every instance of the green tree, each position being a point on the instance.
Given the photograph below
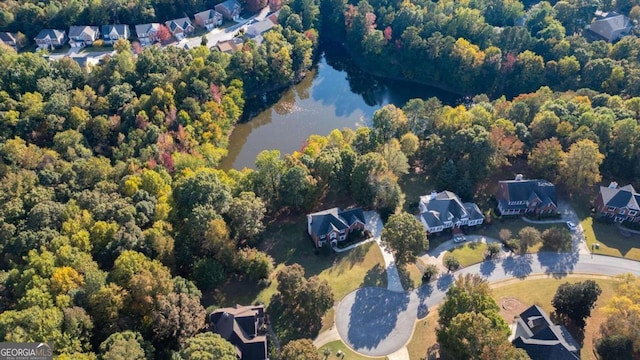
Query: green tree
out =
(302, 349)
(389, 122)
(575, 301)
(208, 346)
(528, 236)
(470, 335)
(493, 249)
(580, 170)
(451, 262)
(558, 239)
(405, 236)
(546, 157)
(126, 345)
(247, 214)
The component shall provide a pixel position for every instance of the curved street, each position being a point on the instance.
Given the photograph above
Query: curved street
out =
(378, 322)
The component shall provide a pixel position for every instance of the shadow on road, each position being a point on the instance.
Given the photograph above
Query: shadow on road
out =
(423, 293)
(368, 325)
(558, 264)
(488, 267)
(444, 281)
(518, 265)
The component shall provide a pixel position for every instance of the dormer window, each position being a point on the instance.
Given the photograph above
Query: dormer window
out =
(622, 212)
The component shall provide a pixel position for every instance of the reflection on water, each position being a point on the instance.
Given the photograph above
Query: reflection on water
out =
(334, 95)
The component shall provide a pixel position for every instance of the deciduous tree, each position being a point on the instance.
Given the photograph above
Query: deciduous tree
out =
(580, 170)
(405, 236)
(575, 301)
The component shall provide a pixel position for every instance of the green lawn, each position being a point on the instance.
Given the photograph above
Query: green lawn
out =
(334, 346)
(468, 254)
(411, 275)
(289, 244)
(512, 224)
(423, 341)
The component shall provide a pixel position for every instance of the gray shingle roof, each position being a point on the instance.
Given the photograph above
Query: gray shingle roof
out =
(118, 29)
(612, 26)
(75, 31)
(542, 339)
(326, 221)
(51, 34)
(446, 206)
(625, 196)
(525, 190)
(181, 23)
(143, 29)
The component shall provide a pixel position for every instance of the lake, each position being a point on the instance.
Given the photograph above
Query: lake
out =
(335, 94)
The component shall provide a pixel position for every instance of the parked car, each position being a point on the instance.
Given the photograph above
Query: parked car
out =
(459, 239)
(572, 226)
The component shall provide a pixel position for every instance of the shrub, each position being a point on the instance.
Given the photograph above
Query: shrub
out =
(430, 271)
(98, 43)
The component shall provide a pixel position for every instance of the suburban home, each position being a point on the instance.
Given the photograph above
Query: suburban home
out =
(147, 33)
(245, 328)
(230, 9)
(230, 46)
(81, 36)
(445, 210)
(334, 225)
(541, 339)
(51, 38)
(112, 33)
(519, 196)
(208, 19)
(9, 39)
(180, 28)
(610, 26)
(619, 203)
(259, 27)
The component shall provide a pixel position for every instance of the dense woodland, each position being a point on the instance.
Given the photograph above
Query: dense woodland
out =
(114, 218)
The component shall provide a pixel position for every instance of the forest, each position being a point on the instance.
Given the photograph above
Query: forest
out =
(115, 219)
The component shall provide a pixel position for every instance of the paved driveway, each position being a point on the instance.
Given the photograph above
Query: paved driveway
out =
(378, 322)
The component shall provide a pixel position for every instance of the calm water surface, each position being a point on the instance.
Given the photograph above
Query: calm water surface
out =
(334, 95)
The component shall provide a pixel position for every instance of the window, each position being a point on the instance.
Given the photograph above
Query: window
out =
(323, 236)
(621, 212)
(632, 213)
(611, 208)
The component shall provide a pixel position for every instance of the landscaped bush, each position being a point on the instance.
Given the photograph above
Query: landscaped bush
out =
(98, 43)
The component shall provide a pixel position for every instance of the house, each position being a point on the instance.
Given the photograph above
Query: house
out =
(541, 339)
(610, 26)
(208, 19)
(259, 27)
(619, 203)
(245, 328)
(334, 225)
(51, 38)
(445, 210)
(147, 33)
(112, 33)
(519, 196)
(230, 9)
(180, 28)
(81, 36)
(9, 39)
(230, 46)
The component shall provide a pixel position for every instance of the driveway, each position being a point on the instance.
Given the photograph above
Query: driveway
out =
(378, 322)
(375, 225)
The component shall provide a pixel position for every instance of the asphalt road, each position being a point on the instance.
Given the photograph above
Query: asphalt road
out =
(377, 322)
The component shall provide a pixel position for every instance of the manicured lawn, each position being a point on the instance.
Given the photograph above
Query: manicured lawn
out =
(411, 276)
(512, 224)
(545, 289)
(611, 241)
(468, 254)
(96, 49)
(424, 340)
(424, 337)
(334, 346)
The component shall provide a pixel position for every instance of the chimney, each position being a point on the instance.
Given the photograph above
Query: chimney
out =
(433, 195)
(519, 177)
(613, 185)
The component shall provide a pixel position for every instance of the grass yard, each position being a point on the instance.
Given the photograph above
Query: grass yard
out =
(468, 254)
(411, 275)
(611, 241)
(288, 244)
(415, 185)
(334, 346)
(545, 290)
(423, 342)
(514, 225)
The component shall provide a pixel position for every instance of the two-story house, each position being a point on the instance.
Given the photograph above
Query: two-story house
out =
(542, 339)
(180, 28)
(208, 19)
(619, 203)
(81, 36)
(9, 39)
(230, 9)
(147, 33)
(444, 210)
(112, 33)
(51, 38)
(334, 225)
(245, 328)
(520, 196)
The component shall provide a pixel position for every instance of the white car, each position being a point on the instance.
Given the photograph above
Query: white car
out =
(572, 226)
(459, 239)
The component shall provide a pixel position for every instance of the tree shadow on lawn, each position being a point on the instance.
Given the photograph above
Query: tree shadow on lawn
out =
(518, 266)
(374, 315)
(376, 276)
(609, 235)
(558, 264)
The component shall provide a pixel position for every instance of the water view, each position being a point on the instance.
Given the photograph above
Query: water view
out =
(334, 95)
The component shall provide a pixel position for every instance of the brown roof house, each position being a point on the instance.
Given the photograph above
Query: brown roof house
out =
(520, 196)
(208, 19)
(230, 46)
(81, 36)
(147, 33)
(444, 210)
(611, 26)
(245, 328)
(334, 225)
(230, 9)
(51, 38)
(541, 339)
(619, 203)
